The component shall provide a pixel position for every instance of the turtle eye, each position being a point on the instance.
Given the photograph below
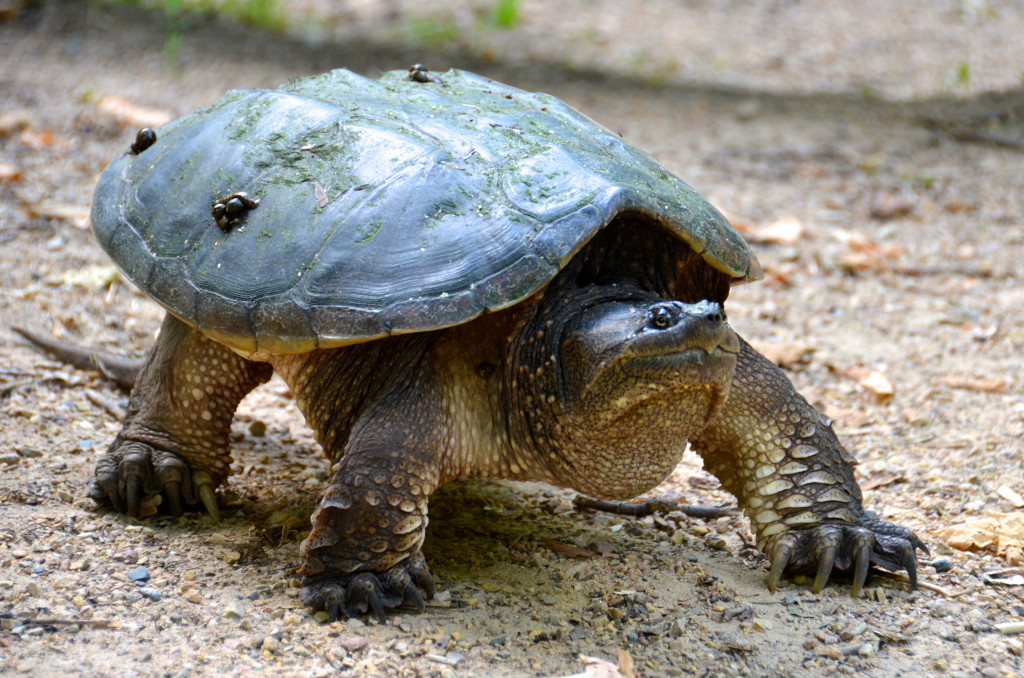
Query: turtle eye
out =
(662, 317)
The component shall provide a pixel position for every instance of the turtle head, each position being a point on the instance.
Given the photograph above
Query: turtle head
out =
(632, 381)
(616, 356)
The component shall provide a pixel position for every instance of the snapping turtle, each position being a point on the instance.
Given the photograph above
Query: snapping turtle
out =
(455, 278)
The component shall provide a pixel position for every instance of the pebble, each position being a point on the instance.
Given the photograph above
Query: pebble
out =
(233, 610)
(9, 459)
(270, 644)
(151, 593)
(354, 644)
(942, 565)
(140, 573)
(449, 659)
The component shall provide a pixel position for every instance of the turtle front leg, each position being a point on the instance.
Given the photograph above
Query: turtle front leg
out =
(175, 438)
(795, 482)
(382, 409)
(363, 554)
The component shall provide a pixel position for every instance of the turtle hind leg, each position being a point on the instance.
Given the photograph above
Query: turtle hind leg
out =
(174, 441)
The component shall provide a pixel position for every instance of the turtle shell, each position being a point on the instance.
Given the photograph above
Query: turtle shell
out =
(385, 206)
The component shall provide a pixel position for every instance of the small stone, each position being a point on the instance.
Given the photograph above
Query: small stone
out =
(9, 459)
(321, 616)
(449, 659)
(32, 588)
(354, 644)
(852, 630)
(193, 596)
(233, 610)
(291, 620)
(231, 557)
(29, 452)
(942, 565)
(151, 593)
(140, 573)
(257, 429)
(270, 644)
(763, 625)
(356, 623)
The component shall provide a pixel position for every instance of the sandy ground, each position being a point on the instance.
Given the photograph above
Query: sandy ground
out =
(884, 193)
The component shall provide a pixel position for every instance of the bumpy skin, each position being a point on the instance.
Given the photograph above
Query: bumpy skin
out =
(175, 438)
(794, 480)
(596, 384)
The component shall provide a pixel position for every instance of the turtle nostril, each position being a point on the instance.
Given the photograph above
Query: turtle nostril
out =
(712, 312)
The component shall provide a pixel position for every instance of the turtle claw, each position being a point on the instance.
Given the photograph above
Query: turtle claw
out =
(204, 488)
(407, 584)
(860, 572)
(843, 547)
(780, 556)
(131, 473)
(826, 562)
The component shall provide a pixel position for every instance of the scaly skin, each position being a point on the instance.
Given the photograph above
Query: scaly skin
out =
(595, 383)
(794, 480)
(175, 436)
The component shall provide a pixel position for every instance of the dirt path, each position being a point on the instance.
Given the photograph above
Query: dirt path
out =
(893, 254)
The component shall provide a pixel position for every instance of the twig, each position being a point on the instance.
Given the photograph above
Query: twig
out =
(58, 621)
(977, 136)
(108, 404)
(900, 577)
(652, 506)
(118, 369)
(11, 385)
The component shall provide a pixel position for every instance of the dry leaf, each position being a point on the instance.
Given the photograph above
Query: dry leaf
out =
(626, 664)
(1011, 495)
(871, 380)
(39, 139)
(784, 231)
(76, 215)
(595, 667)
(1002, 533)
(14, 121)
(892, 207)
(866, 254)
(97, 276)
(881, 479)
(8, 172)
(131, 114)
(567, 550)
(983, 385)
(320, 194)
(784, 354)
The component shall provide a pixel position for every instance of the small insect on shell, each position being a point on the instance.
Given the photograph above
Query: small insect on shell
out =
(228, 212)
(419, 73)
(143, 140)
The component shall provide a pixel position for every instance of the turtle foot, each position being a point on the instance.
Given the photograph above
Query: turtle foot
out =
(842, 547)
(132, 473)
(407, 584)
